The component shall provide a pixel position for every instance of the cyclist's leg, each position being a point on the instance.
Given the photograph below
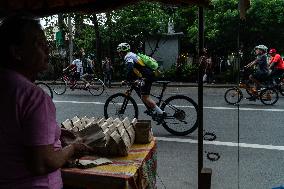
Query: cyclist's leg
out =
(84, 79)
(253, 89)
(145, 96)
(255, 79)
(75, 77)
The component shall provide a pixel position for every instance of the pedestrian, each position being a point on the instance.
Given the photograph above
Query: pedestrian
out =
(31, 152)
(83, 58)
(209, 70)
(90, 65)
(203, 61)
(107, 70)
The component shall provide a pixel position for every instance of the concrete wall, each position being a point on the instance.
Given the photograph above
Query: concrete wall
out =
(167, 51)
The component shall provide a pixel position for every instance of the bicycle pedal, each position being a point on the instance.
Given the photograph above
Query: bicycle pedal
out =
(148, 112)
(160, 122)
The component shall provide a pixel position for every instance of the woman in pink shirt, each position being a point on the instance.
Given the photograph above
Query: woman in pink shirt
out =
(31, 152)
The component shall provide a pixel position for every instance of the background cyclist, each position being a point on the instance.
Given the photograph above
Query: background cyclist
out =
(136, 69)
(262, 71)
(276, 65)
(77, 67)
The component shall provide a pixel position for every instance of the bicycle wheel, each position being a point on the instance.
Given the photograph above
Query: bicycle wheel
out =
(281, 88)
(46, 88)
(59, 86)
(233, 96)
(96, 87)
(269, 96)
(181, 116)
(120, 106)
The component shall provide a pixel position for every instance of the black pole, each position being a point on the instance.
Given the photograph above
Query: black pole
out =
(200, 94)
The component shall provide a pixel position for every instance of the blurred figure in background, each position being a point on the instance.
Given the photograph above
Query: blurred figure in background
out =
(107, 70)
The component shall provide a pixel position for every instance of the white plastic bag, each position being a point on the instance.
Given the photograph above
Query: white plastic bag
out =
(204, 78)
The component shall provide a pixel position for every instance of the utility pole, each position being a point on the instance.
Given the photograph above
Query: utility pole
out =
(204, 174)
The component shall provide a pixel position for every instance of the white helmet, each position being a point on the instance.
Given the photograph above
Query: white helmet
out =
(261, 47)
(123, 47)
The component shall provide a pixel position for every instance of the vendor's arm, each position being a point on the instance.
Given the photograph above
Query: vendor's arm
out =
(41, 134)
(43, 159)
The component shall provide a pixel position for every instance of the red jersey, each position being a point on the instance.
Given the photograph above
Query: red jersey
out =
(279, 62)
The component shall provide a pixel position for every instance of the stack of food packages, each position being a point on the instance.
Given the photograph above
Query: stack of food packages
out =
(108, 137)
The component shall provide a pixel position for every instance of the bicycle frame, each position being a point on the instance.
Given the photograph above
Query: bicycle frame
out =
(159, 97)
(123, 104)
(68, 78)
(134, 86)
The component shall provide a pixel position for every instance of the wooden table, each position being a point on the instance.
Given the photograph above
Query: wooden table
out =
(135, 171)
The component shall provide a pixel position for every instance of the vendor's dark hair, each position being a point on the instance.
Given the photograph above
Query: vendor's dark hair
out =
(12, 32)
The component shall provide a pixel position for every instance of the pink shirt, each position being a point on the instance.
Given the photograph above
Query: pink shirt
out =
(27, 118)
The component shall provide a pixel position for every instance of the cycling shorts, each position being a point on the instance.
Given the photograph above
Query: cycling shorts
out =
(144, 89)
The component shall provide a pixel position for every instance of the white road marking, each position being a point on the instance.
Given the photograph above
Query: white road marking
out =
(219, 143)
(212, 108)
(77, 102)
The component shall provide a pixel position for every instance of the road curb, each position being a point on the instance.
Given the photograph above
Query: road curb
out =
(190, 85)
(174, 84)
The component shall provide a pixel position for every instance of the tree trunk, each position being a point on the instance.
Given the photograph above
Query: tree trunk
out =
(78, 19)
(98, 43)
(70, 39)
(110, 39)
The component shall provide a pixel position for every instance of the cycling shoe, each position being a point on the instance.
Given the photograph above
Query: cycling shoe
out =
(159, 117)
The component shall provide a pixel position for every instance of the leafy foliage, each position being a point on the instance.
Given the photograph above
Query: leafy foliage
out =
(224, 32)
(187, 72)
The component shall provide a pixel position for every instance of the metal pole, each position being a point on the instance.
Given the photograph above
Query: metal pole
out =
(200, 94)
(70, 39)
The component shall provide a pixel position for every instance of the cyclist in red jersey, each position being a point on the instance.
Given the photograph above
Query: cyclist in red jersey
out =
(276, 65)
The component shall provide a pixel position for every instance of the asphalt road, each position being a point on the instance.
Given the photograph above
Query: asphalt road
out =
(256, 163)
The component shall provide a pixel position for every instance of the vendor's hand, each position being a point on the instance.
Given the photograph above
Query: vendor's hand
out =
(81, 149)
(68, 133)
(67, 137)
